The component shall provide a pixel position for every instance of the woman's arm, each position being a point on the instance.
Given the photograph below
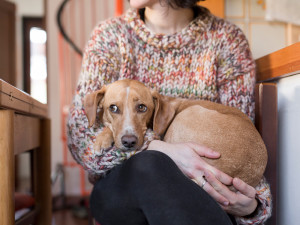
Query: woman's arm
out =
(236, 74)
(99, 66)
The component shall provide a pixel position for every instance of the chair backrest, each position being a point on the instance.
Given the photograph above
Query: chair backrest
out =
(266, 121)
(272, 68)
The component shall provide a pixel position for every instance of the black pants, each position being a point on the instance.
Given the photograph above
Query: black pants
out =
(150, 189)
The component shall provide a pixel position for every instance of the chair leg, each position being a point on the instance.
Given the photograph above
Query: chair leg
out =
(42, 181)
(7, 173)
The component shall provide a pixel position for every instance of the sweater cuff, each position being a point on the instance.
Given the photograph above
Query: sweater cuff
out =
(264, 208)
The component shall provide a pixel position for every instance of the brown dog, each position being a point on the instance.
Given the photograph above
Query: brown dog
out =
(128, 108)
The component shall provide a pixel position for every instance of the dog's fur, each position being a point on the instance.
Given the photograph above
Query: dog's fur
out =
(128, 108)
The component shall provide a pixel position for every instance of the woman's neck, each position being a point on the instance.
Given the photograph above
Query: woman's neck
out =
(166, 20)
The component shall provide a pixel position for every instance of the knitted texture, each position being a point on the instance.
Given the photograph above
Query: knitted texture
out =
(209, 59)
(263, 195)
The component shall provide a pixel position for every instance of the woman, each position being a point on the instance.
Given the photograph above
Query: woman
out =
(181, 50)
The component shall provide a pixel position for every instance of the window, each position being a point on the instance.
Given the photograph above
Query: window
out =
(35, 62)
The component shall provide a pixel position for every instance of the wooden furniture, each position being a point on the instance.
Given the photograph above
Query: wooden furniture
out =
(271, 68)
(24, 127)
(266, 121)
(7, 42)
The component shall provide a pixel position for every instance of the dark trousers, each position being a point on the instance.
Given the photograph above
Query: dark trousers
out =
(150, 189)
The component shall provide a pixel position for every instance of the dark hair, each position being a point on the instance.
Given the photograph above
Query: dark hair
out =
(181, 3)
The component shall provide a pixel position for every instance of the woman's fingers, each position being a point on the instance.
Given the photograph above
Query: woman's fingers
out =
(239, 203)
(216, 189)
(244, 188)
(219, 175)
(213, 192)
(187, 156)
(204, 151)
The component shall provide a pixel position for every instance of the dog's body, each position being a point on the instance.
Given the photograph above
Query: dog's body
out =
(128, 108)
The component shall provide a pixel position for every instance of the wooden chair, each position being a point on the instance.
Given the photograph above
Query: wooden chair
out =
(24, 127)
(266, 121)
(271, 68)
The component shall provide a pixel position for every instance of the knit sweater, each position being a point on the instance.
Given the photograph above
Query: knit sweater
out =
(209, 59)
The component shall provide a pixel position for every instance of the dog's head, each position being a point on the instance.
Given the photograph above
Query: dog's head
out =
(128, 108)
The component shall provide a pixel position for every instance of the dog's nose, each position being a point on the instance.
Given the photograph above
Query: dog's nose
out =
(129, 141)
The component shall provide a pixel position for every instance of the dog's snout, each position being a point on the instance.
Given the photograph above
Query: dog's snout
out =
(129, 141)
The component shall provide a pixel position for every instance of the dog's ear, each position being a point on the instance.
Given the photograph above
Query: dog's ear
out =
(164, 113)
(90, 104)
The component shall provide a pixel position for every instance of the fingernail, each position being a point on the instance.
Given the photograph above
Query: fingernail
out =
(237, 181)
(215, 153)
(206, 175)
(225, 203)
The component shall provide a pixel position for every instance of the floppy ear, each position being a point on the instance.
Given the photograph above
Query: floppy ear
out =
(90, 104)
(164, 113)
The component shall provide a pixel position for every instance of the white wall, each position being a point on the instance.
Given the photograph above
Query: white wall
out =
(53, 82)
(289, 150)
(264, 36)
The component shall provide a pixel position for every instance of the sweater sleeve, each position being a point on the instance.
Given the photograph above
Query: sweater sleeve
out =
(99, 66)
(236, 83)
(264, 209)
(236, 71)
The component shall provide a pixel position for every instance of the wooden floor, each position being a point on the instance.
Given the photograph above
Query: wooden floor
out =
(66, 217)
(72, 211)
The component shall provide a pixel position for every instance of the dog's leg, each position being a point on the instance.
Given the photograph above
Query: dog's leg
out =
(103, 141)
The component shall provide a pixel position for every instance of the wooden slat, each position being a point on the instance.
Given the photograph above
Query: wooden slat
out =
(41, 174)
(267, 125)
(279, 64)
(26, 133)
(7, 168)
(13, 98)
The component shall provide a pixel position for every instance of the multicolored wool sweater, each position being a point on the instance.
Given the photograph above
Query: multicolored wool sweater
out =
(209, 59)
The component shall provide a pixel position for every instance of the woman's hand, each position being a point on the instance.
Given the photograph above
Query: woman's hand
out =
(241, 203)
(187, 157)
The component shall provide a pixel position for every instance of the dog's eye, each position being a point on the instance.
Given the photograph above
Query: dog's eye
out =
(114, 109)
(141, 108)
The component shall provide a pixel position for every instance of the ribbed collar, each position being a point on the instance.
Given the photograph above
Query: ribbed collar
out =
(177, 40)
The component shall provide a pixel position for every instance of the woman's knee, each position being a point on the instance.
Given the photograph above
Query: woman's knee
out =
(149, 163)
(143, 165)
